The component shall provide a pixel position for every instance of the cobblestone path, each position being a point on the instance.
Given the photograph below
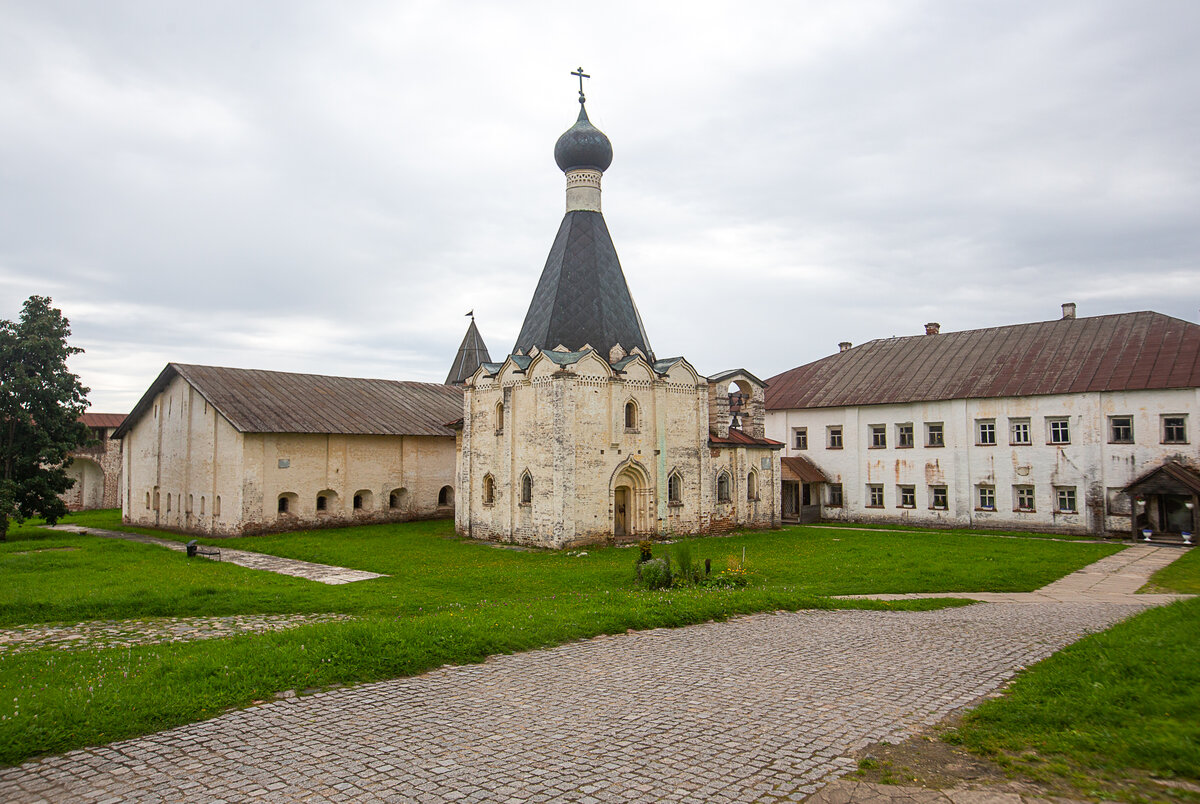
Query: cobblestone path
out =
(323, 573)
(125, 633)
(760, 708)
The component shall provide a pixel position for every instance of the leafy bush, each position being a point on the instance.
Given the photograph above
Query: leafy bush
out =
(656, 573)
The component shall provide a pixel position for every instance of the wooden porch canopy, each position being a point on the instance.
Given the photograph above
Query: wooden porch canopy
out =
(803, 470)
(1166, 498)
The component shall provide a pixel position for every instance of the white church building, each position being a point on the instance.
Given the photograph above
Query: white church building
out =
(1054, 425)
(582, 434)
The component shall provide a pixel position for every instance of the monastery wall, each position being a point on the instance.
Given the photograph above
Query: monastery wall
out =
(1090, 466)
(97, 473)
(183, 466)
(301, 480)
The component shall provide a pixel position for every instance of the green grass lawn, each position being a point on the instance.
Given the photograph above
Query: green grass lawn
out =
(1107, 714)
(447, 600)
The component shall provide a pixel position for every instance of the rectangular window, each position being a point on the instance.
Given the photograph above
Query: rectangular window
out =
(1059, 431)
(935, 434)
(878, 434)
(874, 496)
(1065, 497)
(1174, 429)
(833, 437)
(986, 498)
(800, 437)
(1023, 497)
(1018, 431)
(904, 435)
(985, 432)
(938, 498)
(1120, 429)
(835, 495)
(908, 496)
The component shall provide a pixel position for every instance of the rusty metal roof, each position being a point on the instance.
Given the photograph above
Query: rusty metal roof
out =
(738, 438)
(1125, 352)
(102, 419)
(802, 469)
(281, 402)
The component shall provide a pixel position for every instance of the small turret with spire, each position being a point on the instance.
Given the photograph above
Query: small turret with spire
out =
(470, 355)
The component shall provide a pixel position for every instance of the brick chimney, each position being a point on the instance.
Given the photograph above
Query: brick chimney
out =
(1068, 309)
(933, 328)
(844, 346)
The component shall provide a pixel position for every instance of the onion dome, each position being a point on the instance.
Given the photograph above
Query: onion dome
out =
(583, 146)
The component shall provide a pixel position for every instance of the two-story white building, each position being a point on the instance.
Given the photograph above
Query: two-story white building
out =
(1036, 426)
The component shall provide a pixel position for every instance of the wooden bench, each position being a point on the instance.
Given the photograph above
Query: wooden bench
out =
(195, 549)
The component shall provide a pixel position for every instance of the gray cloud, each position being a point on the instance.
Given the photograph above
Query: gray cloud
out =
(329, 187)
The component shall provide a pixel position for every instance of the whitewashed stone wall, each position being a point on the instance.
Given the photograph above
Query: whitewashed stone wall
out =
(565, 427)
(1090, 464)
(186, 468)
(97, 474)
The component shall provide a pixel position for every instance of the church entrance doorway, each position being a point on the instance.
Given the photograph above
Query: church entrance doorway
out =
(621, 511)
(632, 501)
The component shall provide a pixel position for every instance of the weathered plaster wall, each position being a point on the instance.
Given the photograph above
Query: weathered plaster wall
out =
(186, 468)
(1090, 464)
(567, 430)
(97, 473)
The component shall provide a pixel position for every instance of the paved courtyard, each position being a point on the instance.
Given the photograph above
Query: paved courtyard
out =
(762, 708)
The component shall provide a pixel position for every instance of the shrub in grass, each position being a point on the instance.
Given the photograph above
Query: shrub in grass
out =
(686, 572)
(656, 574)
(644, 551)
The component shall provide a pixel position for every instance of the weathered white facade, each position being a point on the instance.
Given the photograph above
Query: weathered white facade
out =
(564, 448)
(1073, 486)
(187, 467)
(1037, 460)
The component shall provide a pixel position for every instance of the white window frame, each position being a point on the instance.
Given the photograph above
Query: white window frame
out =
(1058, 431)
(1020, 432)
(985, 497)
(1066, 494)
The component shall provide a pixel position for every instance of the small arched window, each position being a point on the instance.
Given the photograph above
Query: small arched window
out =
(752, 486)
(322, 502)
(202, 505)
(282, 505)
(631, 416)
(723, 487)
(489, 490)
(526, 489)
(358, 502)
(147, 501)
(675, 489)
(217, 506)
(499, 417)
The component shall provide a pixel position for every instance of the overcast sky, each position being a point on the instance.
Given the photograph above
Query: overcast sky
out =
(329, 187)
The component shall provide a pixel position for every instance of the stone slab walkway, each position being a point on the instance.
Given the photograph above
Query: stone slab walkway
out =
(763, 708)
(322, 573)
(155, 631)
(1114, 579)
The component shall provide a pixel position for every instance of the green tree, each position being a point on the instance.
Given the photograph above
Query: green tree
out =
(40, 407)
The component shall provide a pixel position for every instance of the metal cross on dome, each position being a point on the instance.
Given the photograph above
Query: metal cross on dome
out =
(582, 75)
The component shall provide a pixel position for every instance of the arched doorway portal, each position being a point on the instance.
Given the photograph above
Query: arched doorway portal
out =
(632, 501)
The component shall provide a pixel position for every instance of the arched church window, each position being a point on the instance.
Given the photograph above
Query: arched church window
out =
(723, 487)
(499, 418)
(631, 416)
(752, 486)
(675, 489)
(489, 490)
(526, 489)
